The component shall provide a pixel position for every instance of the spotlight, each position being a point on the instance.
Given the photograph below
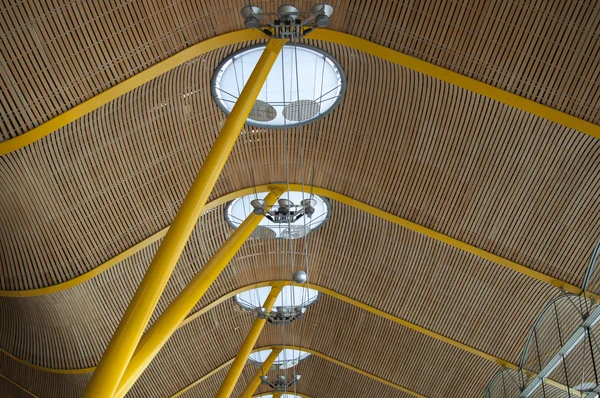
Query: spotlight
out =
(322, 14)
(250, 15)
(288, 12)
(259, 206)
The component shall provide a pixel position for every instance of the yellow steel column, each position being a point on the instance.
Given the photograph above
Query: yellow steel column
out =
(264, 368)
(168, 322)
(114, 361)
(240, 360)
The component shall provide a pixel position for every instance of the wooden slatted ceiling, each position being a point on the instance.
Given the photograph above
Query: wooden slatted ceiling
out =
(314, 372)
(10, 390)
(461, 164)
(43, 384)
(388, 350)
(424, 281)
(209, 387)
(54, 57)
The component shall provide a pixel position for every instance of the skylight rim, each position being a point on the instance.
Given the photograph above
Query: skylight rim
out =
(329, 58)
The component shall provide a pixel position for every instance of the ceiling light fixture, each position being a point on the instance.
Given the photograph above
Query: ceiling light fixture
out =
(295, 215)
(281, 383)
(288, 22)
(291, 303)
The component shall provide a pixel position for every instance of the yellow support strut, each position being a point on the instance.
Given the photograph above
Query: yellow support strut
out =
(264, 368)
(168, 322)
(240, 360)
(110, 370)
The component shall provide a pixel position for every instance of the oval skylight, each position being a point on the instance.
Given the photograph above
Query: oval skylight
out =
(275, 227)
(282, 396)
(286, 359)
(290, 296)
(310, 84)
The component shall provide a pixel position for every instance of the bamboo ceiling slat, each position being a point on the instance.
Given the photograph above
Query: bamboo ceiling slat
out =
(415, 278)
(55, 57)
(98, 194)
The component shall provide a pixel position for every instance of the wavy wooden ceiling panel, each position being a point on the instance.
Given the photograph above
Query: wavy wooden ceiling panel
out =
(390, 351)
(416, 278)
(456, 162)
(43, 384)
(54, 57)
(208, 388)
(490, 175)
(189, 347)
(9, 389)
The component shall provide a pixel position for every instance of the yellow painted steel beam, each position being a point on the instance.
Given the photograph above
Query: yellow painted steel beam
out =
(172, 318)
(359, 371)
(315, 353)
(262, 370)
(458, 80)
(18, 385)
(430, 233)
(331, 36)
(338, 296)
(242, 357)
(115, 359)
(126, 86)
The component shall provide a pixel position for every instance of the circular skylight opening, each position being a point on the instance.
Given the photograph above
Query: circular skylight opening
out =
(310, 84)
(282, 396)
(287, 358)
(296, 222)
(290, 297)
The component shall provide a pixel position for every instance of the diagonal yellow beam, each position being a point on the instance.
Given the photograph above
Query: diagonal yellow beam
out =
(168, 322)
(336, 295)
(315, 353)
(331, 293)
(115, 359)
(241, 358)
(476, 251)
(331, 36)
(262, 370)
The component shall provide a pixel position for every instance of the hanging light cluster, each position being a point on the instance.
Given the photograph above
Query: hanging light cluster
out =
(304, 84)
(288, 22)
(281, 383)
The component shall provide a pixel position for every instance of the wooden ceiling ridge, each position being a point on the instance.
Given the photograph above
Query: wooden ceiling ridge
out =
(332, 36)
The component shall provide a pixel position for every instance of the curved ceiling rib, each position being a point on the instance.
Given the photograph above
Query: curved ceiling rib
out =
(16, 385)
(335, 295)
(346, 39)
(330, 194)
(313, 352)
(321, 289)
